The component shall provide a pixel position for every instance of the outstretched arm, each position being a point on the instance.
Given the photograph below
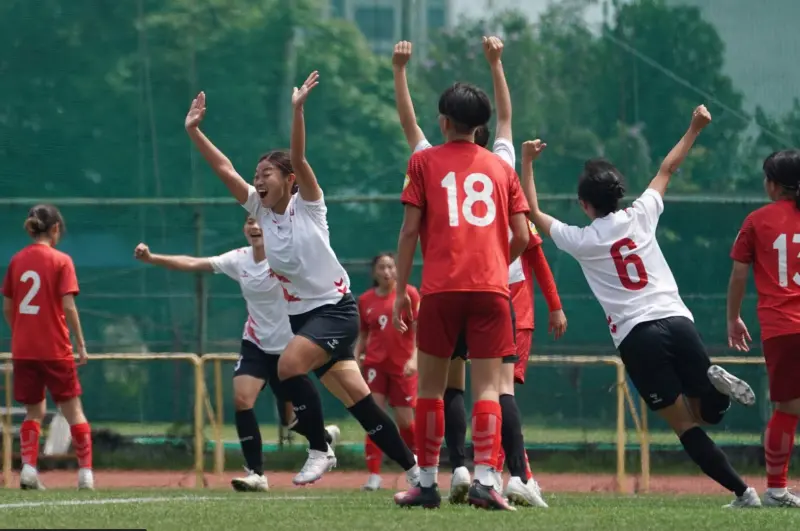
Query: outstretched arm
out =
(700, 118)
(173, 261)
(493, 49)
(307, 184)
(530, 152)
(402, 96)
(219, 163)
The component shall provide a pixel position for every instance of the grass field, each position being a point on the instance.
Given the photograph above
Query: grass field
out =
(343, 510)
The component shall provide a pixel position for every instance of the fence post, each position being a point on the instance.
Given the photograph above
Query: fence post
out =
(219, 450)
(645, 448)
(7, 439)
(620, 427)
(199, 440)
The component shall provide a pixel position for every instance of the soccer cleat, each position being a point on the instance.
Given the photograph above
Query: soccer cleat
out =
(747, 500)
(251, 483)
(373, 483)
(85, 479)
(29, 479)
(459, 485)
(426, 497)
(730, 385)
(781, 498)
(524, 494)
(316, 465)
(487, 498)
(334, 433)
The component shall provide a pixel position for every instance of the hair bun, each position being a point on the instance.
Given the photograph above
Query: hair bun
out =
(619, 190)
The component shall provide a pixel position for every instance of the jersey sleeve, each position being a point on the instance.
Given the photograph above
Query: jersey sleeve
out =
(566, 237)
(423, 145)
(68, 280)
(744, 247)
(317, 210)
(504, 149)
(517, 204)
(649, 206)
(227, 264)
(415, 299)
(253, 203)
(414, 185)
(8, 285)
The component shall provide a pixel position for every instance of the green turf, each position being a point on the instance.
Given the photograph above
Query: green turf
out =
(312, 509)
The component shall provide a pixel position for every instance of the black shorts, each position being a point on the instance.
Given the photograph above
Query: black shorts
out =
(262, 365)
(666, 358)
(461, 351)
(333, 327)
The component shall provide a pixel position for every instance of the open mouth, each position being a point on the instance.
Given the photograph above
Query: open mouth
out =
(262, 192)
(256, 234)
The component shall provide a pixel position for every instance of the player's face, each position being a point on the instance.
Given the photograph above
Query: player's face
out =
(271, 184)
(385, 271)
(253, 233)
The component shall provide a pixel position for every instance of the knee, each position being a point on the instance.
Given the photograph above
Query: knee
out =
(243, 401)
(712, 411)
(73, 411)
(290, 366)
(35, 413)
(404, 417)
(507, 380)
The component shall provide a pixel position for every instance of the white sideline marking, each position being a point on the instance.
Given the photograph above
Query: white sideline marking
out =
(106, 501)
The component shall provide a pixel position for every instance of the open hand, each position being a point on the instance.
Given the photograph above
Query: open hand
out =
(196, 112)
(300, 94)
(738, 336)
(557, 323)
(401, 54)
(531, 149)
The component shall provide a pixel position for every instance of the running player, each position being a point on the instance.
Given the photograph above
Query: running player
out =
(39, 293)
(649, 323)
(460, 200)
(322, 312)
(389, 358)
(765, 243)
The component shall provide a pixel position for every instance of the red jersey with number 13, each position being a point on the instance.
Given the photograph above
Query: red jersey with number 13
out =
(770, 240)
(36, 280)
(467, 196)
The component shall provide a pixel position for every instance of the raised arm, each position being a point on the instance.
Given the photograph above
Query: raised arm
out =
(402, 96)
(220, 164)
(307, 184)
(493, 49)
(530, 152)
(700, 118)
(174, 262)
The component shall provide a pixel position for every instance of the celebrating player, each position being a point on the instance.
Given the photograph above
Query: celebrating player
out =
(39, 293)
(765, 243)
(460, 201)
(322, 312)
(649, 323)
(389, 358)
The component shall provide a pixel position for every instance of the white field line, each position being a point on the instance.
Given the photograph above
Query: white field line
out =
(164, 499)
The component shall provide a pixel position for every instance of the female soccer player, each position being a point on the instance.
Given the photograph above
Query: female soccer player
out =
(649, 323)
(322, 312)
(768, 241)
(39, 292)
(389, 358)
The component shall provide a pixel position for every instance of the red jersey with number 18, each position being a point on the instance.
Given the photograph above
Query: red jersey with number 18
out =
(770, 240)
(467, 196)
(36, 280)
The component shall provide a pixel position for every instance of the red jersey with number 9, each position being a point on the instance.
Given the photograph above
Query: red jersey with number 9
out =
(467, 196)
(36, 280)
(770, 240)
(386, 348)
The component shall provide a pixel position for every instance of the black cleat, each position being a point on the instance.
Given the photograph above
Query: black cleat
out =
(427, 497)
(485, 497)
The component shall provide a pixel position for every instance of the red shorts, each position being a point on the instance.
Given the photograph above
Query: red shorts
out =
(485, 318)
(524, 340)
(33, 377)
(782, 354)
(399, 389)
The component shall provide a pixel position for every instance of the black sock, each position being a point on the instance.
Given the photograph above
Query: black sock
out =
(455, 426)
(296, 427)
(307, 407)
(712, 460)
(513, 441)
(383, 431)
(250, 439)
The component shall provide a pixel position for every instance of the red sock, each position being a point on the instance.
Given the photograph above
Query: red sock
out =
(486, 439)
(528, 473)
(409, 436)
(374, 456)
(429, 428)
(778, 442)
(501, 460)
(29, 442)
(82, 443)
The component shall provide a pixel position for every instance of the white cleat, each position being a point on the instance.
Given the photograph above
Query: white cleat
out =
(373, 483)
(335, 434)
(85, 479)
(459, 486)
(251, 483)
(525, 494)
(748, 500)
(781, 498)
(316, 465)
(728, 384)
(29, 479)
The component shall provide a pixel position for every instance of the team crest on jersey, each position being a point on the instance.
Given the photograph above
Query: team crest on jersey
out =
(406, 181)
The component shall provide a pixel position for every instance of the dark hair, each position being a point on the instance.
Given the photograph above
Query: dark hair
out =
(280, 159)
(482, 135)
(41, 219)
(466, 106)
(783, 169)
(601, 185)
(375, 260)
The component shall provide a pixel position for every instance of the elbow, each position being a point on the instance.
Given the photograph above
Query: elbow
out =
(408, 234)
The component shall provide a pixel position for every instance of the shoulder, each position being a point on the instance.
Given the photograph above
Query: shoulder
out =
(367, 296)
(412, 291)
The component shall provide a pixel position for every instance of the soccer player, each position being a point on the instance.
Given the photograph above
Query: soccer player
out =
(389, 358)
(322, 312)
(649, 323)
(39, 293)
(460, 200)
(768, 242)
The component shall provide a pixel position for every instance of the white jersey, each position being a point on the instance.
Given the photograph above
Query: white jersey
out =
(504, 149)
(299, 251)
(267, 323)
(624, 265)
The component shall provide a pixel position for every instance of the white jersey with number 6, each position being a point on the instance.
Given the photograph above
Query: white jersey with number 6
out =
(624, 265)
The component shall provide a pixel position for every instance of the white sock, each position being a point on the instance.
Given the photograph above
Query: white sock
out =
(777, 491)
(485, 475)
(428, 476)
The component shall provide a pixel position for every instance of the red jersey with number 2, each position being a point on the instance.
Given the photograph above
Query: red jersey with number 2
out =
(36, 280)
(386, 349)
(770, 241)
(467, 196)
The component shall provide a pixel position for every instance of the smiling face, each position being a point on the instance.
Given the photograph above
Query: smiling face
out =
(272, 184)
(252, 231)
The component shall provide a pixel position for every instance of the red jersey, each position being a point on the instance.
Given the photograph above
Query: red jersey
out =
(522, 292)
(36, 280)
(386, 347)
(467, 196)
(770, 240)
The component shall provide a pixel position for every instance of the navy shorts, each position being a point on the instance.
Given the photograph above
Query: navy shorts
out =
(333, 327)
